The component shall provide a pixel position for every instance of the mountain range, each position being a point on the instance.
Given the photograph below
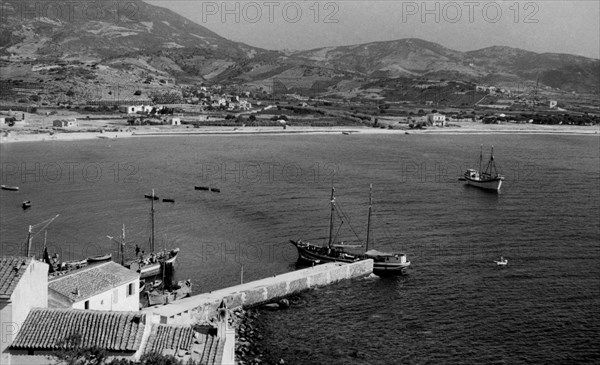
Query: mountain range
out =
(132, 42)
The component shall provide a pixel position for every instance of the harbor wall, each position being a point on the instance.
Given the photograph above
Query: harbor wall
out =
(202, 308)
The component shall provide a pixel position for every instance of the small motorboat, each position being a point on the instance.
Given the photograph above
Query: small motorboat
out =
(99, 258)
(26, 204)
(202, 188)
(502, 262)
(215, 190)
(167, 200)
(150, 196)
(11, 188)
(345, 133)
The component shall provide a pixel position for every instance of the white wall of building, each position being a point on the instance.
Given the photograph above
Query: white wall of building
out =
(116, 299)
(30, 292)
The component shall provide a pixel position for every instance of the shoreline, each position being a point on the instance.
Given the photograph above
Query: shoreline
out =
(16, 136)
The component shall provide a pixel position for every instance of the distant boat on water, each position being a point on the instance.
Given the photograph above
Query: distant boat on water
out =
(168, 200)
(207, 188)
(151, 196)
(26, 204)
(11, 188)
(488, 179)
(502, 262)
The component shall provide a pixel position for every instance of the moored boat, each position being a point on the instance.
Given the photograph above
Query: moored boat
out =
(383, 262)
(151, 196)
(99, 258)
(182, 290)
(154, 262)
(11, 188)
(26, 204)
(488, 179)
(168, 200)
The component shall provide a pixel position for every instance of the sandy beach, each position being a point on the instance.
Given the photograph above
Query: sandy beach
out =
(23, 135)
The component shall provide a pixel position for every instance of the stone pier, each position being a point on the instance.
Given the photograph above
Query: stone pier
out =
(203, 307)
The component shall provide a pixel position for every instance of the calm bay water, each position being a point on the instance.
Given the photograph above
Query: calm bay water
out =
(454, 306)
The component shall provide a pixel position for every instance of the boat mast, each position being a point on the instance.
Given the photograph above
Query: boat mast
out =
(28, 241)
(480, 159)
(331, 216)
(152, 215)
(369, 219)
(123, 247)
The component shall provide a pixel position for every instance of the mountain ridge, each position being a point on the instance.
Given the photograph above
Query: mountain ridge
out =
(154, 42)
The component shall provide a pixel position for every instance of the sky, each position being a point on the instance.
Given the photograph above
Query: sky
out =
(541, 26)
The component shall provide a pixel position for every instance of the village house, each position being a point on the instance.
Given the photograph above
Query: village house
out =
(174, 121)
(23, 286)
(436, 119)
(134, 109)
(107, 286)
(65, 123)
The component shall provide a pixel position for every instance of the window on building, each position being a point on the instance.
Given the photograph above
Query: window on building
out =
(86, 304)
(130, 289)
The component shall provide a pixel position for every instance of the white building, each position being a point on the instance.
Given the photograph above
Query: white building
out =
(23, 286)
(107, 287)
(437, 119)
(134, 109)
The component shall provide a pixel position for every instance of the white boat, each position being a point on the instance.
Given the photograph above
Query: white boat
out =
(488, 179)
(502, 262)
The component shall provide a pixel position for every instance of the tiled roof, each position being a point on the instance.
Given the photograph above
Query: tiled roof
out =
(87, 282)
(183, 342)
(11, 271)
(45, 328)
(169, 337)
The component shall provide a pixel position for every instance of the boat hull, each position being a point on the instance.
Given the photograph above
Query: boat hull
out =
(314, 255)
(154, 268)
(489, 184)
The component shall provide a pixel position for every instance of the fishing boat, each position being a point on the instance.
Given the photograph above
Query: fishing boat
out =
(502, 262)
(154, 262)
(26, 204)
(383, 262)
(488, 179)
(99, 258)
(11, 188)
(183, 289)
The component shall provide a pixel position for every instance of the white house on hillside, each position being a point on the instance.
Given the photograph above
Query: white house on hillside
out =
(437, 119)
(23, 286)
(107, 286)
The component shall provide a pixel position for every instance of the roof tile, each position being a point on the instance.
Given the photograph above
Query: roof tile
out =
(91, 280)
(11, 271)
(45, 328)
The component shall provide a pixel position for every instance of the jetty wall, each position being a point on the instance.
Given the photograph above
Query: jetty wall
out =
(201, 308)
